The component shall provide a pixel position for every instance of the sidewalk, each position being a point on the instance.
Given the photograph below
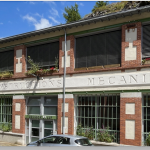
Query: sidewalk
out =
(8, 144)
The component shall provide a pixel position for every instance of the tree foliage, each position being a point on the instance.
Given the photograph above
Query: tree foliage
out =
(72, 13)
(99, 4)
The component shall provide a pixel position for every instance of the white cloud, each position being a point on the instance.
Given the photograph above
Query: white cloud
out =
(81, 4)
(42, 23)
(18, 9)
(1, 23)
(54, 12)
(50, 2)
(32, 3)
(54, 20)
(37, 14)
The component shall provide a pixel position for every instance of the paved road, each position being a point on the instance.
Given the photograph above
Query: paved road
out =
(8, 144)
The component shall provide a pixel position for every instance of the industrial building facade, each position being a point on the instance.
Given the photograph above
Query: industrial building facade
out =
(106, 82)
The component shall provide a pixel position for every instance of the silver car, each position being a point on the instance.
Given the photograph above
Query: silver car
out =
(62, 140)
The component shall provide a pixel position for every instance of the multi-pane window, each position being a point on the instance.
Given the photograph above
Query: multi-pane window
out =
(146, 41)
(146, 115)
(44, 54)
(99, 112)
(33, 106)
(50, 106)
(7, 60)
(5, 110)
(98, 50)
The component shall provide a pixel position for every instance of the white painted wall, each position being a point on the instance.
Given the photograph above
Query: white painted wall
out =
(19, 64)
(131, 51)
(130, 108)
(17, 121)
(130, 129)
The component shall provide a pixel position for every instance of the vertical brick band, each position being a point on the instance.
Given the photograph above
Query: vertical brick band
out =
(69, 53)
(69, 114)
(137, 117)
(136, 43)
(23, 61)
(20, 113)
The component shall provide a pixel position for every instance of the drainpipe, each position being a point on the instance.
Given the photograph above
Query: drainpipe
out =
(63, 121)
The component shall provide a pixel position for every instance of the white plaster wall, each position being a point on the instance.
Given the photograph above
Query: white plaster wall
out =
(130, 129)
(131, 94)
(130, 108)
(67, 61)
(19, 64)
(131, 51)
(66, 107)
(17, 121)
(66, 124)
(17, 106)
(66, 95)
(67, 45)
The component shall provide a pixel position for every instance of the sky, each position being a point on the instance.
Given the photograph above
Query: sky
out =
(17, 17)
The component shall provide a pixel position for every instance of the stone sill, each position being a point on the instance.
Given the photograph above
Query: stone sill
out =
(11, 133)
(107, 144)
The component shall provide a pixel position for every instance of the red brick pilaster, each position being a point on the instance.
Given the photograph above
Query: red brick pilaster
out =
(69, 114)
(136, 43)
(21, 113)
(137, 117)
(69, 53)
(23, 61)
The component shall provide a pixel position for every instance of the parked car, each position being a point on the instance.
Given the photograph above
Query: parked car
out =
(62, 140)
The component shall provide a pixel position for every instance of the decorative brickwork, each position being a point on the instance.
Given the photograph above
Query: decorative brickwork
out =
(22, 60)
(69, 114)
(136, 43)
(138, 121)
(69, 53)
(21, 113)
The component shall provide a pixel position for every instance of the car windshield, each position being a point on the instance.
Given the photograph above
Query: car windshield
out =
(83, 142)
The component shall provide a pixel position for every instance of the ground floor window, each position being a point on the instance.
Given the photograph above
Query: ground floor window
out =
(146, 116)
(5, 110)
(99, 112)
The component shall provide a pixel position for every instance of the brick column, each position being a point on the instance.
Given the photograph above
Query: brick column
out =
(131, 45)
(19, 61)
(18, 114)
(69, 114)
(131, 118)
(69, 55)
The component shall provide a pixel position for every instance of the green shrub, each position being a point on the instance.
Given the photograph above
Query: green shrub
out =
(148, 140)
(6, 127)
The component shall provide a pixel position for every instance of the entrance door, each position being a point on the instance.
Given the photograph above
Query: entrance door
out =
(35, 126)
(48, 128)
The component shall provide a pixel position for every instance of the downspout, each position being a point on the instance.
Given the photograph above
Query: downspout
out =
(63, 122)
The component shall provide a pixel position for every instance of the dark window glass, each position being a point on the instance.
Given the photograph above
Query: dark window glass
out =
(83, 142)
(97, 50)
(7, 60)
(44, 54)
(51, 101)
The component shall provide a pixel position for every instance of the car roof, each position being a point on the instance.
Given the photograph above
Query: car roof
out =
(69, 136)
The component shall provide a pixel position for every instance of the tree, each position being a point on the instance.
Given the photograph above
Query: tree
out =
(99, 4)
(72, 13)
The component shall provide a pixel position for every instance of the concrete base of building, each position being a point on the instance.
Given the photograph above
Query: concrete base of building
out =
(14, 138)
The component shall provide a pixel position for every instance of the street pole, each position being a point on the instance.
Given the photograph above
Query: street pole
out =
(63, 120)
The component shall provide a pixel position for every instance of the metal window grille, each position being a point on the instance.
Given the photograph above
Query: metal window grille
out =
(5, 110)
(99, 111)
(44, 54)
(146, 41)
(97, 50)
(146, 115)
(7, 61)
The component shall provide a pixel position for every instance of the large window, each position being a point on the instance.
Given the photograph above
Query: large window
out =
(146, 115)
(7, 60)
(146, 41)
(99, 112)
(5, 110)
(97, 50)
(44, 54)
